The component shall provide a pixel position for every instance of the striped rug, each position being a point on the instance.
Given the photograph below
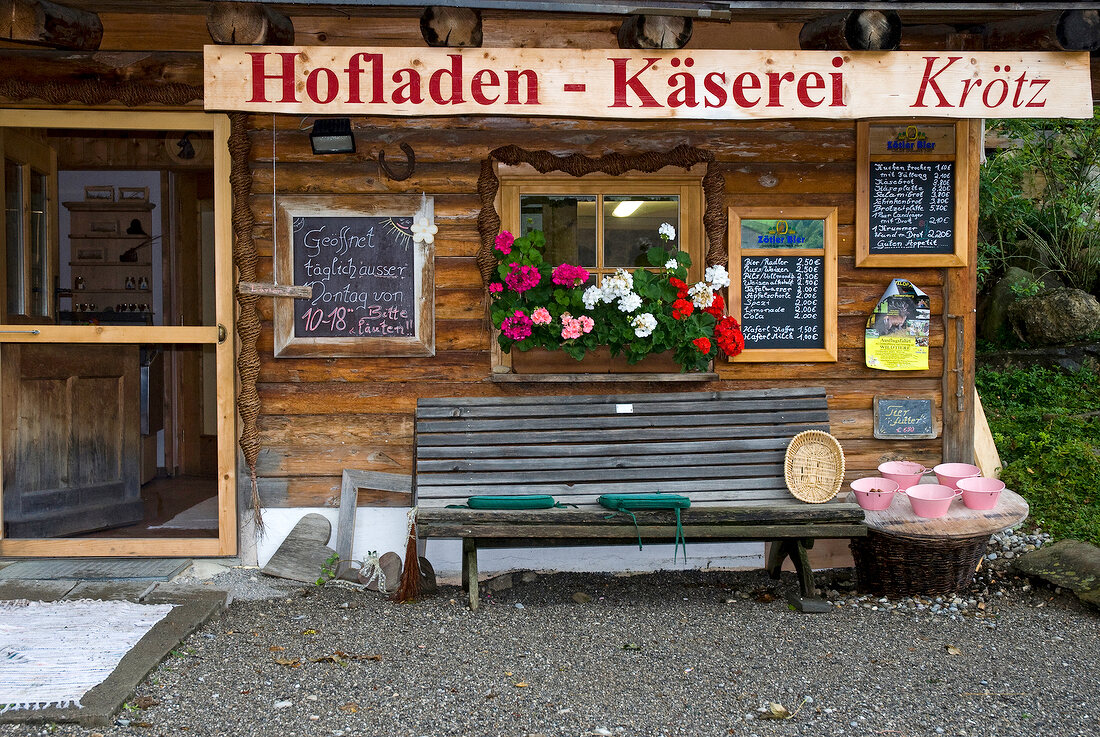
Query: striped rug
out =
(52, 653)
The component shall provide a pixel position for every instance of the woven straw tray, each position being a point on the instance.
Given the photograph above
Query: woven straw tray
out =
(814, 466)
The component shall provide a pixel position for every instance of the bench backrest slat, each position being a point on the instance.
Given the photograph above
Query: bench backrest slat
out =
(713, 446)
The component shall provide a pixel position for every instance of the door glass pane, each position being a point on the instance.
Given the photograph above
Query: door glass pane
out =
(631, 224)
(13, 226)
(569, 223)
(40, 245)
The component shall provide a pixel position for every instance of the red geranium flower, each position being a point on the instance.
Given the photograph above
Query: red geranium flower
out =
(703, 344)
(717, 307)
(681, 308)
(728, 335)
(680, 285)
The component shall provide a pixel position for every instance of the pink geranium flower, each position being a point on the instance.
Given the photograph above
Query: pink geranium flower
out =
(541, 316)
(495, 287)
(522, 278)
(504, 242)
(517, 327)
(568, 275)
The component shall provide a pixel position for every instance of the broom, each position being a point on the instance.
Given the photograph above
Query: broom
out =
(410, 576)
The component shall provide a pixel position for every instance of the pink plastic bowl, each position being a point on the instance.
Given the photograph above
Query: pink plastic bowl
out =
(873, 493)
(930, 500)
(950, 473)
(906, 473)
(981, 493)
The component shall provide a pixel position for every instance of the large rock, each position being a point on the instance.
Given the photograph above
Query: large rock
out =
(1055, 317)
(995, 324)
(1071, 564)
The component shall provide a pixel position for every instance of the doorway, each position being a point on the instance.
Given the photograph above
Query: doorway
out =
(116, 375)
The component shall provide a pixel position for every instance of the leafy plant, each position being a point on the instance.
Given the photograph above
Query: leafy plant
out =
(1040, 201)
(328, 570)
(633, 313)
(1025, 289)
(1047, 431)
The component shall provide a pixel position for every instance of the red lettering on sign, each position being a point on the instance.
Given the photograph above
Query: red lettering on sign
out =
(477, 85)
(354, 70)
(775, 79)
(804, 88)
(622, 83)
(929, 81)
(435, 83)
(740, 84)
(532, 79)
(410, 90)
(260, 76)
(711, 83)
(332, 85)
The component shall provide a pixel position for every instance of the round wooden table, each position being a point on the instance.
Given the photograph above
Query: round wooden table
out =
(904, 554)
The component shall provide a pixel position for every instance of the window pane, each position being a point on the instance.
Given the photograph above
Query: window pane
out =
(13, 224)
(40, 289)
(782, 234)
(567, 221)
(631, 225)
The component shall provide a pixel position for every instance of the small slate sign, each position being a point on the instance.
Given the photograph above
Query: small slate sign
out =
(904, 418)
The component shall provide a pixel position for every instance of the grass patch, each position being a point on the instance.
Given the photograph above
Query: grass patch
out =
(1049, 441)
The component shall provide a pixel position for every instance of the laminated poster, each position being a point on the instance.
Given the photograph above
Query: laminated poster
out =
(897, 330)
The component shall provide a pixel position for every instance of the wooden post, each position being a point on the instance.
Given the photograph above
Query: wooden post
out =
(1070, 30)
(858, 30)
(960, 323)
(451, 27)
(469, 569)
(248, 24)
(654, 32)
(46, 23)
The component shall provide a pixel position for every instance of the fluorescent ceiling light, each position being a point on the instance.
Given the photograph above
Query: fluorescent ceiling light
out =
(626, 208)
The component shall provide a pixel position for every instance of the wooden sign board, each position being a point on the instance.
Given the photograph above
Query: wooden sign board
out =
(373, 286)
(904, 418)
(707, 84)
(911, 194)
(782, 267)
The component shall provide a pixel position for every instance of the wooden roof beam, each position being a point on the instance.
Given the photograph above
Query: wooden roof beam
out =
(1069, 30)
(451, 27)
(655, 32)
(856, 30)
(45, 23)
(248, 24)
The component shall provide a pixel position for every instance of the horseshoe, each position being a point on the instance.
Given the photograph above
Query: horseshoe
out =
(410, 157)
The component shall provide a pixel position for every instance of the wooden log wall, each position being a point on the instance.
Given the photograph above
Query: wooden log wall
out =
(320, 416)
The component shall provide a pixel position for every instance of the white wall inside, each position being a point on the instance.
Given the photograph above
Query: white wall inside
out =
(383, 530)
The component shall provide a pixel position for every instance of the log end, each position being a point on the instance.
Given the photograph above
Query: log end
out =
(654, 32)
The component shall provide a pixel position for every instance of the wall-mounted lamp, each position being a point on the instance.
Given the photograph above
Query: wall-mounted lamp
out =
(332, 136)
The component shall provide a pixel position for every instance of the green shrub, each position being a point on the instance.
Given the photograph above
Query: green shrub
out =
(1049, 439)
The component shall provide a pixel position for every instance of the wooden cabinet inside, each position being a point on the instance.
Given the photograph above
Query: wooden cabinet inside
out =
(111, 259)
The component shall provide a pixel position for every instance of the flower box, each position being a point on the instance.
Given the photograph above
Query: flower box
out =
(596, 361)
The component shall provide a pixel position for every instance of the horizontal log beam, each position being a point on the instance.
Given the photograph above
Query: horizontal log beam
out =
(248, 24)
(131, 78)
(47, 23)
(1070, 30)
(858, 30)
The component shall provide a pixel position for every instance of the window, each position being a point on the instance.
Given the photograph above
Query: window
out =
(605, 223)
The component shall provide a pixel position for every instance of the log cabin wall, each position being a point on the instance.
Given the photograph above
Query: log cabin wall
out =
(320, 416)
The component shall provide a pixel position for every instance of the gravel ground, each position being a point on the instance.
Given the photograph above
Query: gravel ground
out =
(661, 654)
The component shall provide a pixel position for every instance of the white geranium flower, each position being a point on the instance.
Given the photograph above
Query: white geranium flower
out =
(671, 264)
(591, 297)
(702, 296)
(717, 276)
(620, 284)
(630, 302)
(424, 230)
(644, 324)
(667, 232)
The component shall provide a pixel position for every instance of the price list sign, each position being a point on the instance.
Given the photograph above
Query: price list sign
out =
(783, 302)
(912, 206)
(362, 273)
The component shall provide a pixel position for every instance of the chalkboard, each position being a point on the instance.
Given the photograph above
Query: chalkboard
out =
(900, 418)
(362, 270)
(783, 302)
(912, 207)
(371, 279)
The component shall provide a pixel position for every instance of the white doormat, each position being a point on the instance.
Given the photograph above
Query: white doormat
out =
(52, 653)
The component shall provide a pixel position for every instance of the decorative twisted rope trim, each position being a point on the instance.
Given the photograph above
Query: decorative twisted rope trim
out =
(714, 189)
(248, 320)
(96, 92)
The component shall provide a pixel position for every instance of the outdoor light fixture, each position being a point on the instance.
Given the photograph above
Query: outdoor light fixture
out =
(332, 136)
(626, 208)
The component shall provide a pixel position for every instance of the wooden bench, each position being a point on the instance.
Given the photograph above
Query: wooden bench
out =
(723, 450)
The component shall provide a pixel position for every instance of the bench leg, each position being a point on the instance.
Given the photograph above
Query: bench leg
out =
(806, 600)
(469, 569)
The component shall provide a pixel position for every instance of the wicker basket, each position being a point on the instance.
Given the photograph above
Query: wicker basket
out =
(892, 565)
(814, 466)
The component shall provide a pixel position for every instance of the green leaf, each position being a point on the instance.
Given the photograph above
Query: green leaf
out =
(656, 256)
